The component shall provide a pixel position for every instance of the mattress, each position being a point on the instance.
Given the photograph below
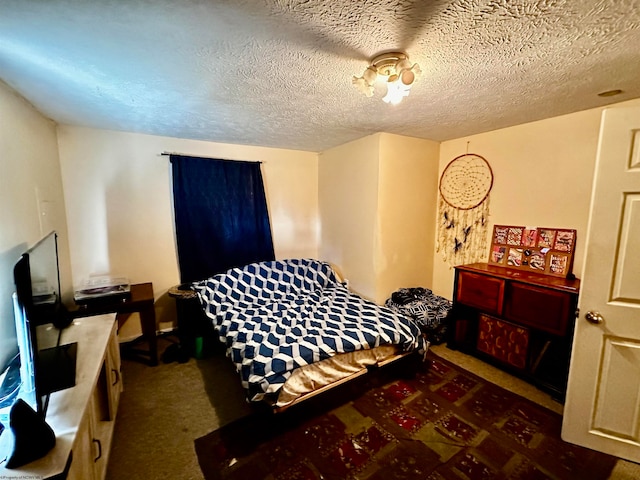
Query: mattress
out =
(330, 372)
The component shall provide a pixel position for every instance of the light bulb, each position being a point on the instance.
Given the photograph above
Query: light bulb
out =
(396, 91)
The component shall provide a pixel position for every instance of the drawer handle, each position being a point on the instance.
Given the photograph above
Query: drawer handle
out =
(116, 376)
(594, 317)
(95, 440)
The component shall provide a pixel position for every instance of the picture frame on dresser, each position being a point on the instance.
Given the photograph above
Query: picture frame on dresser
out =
(542, 250)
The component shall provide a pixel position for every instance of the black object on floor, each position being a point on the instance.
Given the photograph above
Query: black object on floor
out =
(175, 353)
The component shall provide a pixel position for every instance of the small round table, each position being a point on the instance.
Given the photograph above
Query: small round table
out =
(190, 314)
(182, 292)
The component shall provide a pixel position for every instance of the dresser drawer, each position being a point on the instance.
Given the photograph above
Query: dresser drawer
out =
(480, 291)
(544, 309)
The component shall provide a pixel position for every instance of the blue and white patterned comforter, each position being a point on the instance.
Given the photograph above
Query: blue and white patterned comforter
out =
(276, 316)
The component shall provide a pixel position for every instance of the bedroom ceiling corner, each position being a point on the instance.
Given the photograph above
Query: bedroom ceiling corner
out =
(279, 73)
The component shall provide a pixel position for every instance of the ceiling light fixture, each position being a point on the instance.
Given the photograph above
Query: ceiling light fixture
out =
(398, 72)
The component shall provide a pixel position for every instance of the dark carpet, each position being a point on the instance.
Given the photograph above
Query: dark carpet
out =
(442, 423)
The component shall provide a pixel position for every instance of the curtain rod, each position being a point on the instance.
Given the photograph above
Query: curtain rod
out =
(166, 154)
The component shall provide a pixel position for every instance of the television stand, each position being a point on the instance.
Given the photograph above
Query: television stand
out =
(83, 416)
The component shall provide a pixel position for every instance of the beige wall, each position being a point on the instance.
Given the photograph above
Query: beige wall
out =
(119, 208)
(31, 196)
(348, 202)
(408, 182)
(117, 197)
(543, 173)
(377, 206)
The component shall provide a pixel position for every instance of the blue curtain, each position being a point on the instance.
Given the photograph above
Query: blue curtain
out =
(221, 215)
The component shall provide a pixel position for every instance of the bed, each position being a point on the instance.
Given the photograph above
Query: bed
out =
(293, 328)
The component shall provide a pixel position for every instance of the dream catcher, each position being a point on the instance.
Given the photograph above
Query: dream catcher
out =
(463, 209)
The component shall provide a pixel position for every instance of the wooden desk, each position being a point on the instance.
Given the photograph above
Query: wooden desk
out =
(141, 300)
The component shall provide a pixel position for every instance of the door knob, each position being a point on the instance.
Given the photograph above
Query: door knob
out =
(594, 317)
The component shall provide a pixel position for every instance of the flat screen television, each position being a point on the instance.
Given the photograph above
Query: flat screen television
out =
(42, 364)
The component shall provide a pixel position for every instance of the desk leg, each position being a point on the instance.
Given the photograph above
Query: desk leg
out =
(148, 321)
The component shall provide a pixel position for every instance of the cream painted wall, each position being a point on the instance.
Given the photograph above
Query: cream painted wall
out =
(348, 199)
(407, 188)
(371, 192)
(543, 172)
(119, 208)
(31, 197)
(117, 196)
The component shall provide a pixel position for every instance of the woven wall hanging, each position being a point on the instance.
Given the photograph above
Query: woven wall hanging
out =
(463, 209)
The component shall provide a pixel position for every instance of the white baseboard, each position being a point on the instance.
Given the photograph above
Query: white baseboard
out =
(132, 337)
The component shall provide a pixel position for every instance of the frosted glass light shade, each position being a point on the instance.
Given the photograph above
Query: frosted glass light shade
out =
(396, 90)
(398, 72)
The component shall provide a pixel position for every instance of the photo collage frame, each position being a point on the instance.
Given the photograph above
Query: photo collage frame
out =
(547, 251)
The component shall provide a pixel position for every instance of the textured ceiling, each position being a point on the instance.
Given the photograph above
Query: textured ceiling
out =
(278, 72)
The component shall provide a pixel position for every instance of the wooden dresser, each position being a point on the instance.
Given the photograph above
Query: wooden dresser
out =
(521, 322)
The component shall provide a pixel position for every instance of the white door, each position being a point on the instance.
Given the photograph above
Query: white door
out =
(602, 407)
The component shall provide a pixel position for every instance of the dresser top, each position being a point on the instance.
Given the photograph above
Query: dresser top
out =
(558, 283)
